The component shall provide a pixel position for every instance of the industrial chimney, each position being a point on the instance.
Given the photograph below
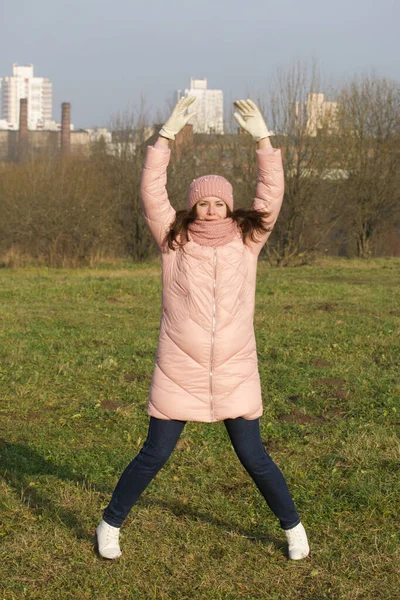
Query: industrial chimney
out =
(65, 128)
(23, 129)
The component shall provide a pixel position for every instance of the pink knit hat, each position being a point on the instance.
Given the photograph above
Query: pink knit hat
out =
(210, 185)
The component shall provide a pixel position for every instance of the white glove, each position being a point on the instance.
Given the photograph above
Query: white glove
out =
(250, 119)
(178, 119)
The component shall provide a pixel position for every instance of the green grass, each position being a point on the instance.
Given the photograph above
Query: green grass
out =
(76, 357)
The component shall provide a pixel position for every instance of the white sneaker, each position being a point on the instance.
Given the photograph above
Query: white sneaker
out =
(108, 540)
(298, 543)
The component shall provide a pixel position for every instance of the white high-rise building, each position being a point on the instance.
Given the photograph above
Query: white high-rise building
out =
(209, 107)
(316, 113)
(23, 84)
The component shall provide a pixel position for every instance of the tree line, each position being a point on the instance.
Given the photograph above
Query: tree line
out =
(342, 182)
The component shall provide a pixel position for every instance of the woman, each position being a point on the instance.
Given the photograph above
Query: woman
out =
(206, 362)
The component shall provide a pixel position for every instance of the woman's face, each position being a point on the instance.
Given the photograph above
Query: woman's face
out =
(210, 209)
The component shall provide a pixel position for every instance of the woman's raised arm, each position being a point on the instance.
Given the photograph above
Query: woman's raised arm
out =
(158, 212)
(162, 141)
(264, 144)
(270, 182)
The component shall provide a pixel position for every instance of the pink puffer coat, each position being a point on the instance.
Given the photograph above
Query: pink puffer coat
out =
(206, 362)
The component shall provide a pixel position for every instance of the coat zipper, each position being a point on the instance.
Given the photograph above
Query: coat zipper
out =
(213, 333)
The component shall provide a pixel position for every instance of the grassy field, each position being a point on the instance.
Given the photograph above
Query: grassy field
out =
(76, 357)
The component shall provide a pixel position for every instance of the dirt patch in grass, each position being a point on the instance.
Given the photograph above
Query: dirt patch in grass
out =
(334, 394)
(34, 416)
(110, 405)
(339, 393)
(296, 416)
(295, 398)
(336, 412)
(271, 445)
(327, 306)
(232, 487)
(319, 363)
(130, 377)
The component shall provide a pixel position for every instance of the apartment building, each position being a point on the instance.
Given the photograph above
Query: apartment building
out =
(209, 107)
(38, 91)
(316, 113)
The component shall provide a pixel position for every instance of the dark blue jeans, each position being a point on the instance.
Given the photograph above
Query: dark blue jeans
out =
(161, 440)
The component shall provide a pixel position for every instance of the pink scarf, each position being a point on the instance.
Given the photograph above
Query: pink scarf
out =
(214, 233)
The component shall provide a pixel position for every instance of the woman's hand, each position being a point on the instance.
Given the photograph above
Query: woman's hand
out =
(178, 119)
(251, 120)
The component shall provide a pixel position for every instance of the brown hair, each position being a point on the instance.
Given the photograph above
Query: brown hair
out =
(249, 221)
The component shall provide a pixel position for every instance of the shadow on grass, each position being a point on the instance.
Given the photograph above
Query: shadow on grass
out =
(19, 463)
(179, 509)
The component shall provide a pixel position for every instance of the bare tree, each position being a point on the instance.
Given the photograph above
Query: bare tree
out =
(369, 120)
(304, 131)
(130, 132)
(57, 210)
(341, 165)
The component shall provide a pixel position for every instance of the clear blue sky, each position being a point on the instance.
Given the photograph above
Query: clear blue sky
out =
(103, 55)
